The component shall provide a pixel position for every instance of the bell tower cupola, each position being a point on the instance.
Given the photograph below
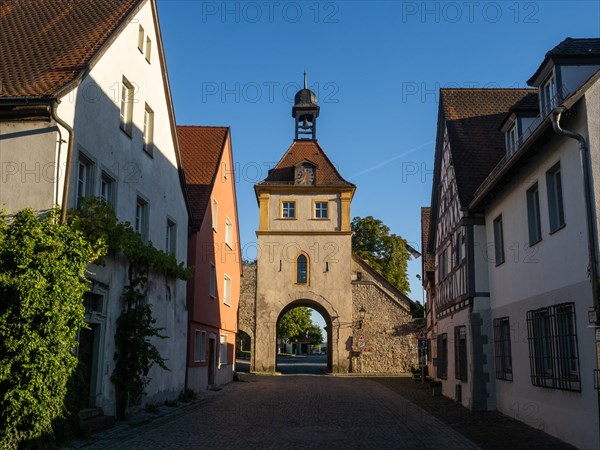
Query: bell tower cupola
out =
(305, 112)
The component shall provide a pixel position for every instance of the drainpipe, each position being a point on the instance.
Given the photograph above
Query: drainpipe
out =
(65, 199)
(589, 207)
(587, 186)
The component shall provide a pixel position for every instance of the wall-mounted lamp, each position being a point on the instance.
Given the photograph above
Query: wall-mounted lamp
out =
(361, 316)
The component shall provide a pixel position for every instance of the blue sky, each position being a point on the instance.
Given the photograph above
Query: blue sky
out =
(376, 68)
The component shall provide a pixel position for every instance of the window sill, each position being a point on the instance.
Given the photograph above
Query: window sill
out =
(556, 230)
(212, 296)
(287, 218)
(148, 151)
(227, 304)
(531, 244)
(324, 219)
(499, 263)
(229, 246)
(128, 134)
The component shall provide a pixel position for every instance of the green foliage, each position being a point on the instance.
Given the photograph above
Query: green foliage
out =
(296, 324)
(42, 281)
(385, 252)
(135, 353)
(97, 220)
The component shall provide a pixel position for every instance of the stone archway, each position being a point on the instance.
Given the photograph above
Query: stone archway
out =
(339, 328)
(323, 312)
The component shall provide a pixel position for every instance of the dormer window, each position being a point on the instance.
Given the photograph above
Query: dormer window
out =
(548, 98)
(511, 140)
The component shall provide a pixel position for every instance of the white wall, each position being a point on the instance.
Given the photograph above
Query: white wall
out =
(550, 272)
(93, 110)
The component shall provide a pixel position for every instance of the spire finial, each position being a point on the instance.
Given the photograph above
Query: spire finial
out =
(305, 78)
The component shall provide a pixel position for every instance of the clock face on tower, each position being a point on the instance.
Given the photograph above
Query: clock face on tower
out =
(305, 175)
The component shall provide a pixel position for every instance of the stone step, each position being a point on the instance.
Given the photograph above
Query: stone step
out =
(89, 413)
(96, 424)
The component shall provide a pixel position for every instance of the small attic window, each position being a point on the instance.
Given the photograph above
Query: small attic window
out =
(148, 49)
(141, 39)
(511, 140)
(548, 97)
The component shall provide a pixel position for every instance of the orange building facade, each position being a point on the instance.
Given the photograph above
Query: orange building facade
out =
(214, 252)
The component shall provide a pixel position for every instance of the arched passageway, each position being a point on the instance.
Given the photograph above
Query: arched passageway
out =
(304, 354)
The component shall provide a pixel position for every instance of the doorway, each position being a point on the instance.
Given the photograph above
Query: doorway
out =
(212, 360)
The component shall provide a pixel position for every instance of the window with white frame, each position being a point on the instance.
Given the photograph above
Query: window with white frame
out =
(498, 240)
(553, 348)
(223, 348)
(141, 39)
(460, 353)
(85, 178)
(148, 48)
(548, 96)
(443, 264)
(171, 237)
(141, 218)
(502, 349)
(321, 210)
(555, 198)
(127, 100)
(148, 145)
(107, 188)
(533, 214)
(203, 346)
(212, 289)
(227, 290)
(458, 256)
(288, 210)
(215, 214)
(511, 140)
(228, 232)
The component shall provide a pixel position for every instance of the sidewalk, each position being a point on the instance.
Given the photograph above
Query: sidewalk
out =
(488, 429)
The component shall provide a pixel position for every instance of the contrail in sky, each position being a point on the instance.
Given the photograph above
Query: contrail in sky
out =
(387, 161)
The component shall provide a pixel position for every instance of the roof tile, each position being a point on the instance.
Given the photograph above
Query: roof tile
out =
(201, 150)
(283, 172)
(46, 44)
(472, 118)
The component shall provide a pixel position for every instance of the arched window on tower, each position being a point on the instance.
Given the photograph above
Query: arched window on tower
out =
(301, 269)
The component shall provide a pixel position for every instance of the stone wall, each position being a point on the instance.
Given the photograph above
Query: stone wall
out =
(388, 329)
(246, 313)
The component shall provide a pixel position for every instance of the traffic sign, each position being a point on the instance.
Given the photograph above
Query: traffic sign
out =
(361, 341)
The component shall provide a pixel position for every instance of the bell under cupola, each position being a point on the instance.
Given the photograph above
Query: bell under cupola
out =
(305, 112)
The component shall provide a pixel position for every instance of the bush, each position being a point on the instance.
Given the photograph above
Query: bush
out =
(42, 281)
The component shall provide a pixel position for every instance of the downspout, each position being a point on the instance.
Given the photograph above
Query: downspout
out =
(589, 208)
(65, 199)
(587, 187)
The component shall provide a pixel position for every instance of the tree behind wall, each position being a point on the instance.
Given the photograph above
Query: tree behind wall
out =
(386, 253)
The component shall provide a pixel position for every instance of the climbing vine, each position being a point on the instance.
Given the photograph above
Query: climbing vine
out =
(135, 353)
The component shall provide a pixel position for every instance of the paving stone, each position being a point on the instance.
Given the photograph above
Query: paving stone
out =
(295, 412)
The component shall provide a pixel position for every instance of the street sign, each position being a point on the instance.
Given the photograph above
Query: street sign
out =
(361, 341)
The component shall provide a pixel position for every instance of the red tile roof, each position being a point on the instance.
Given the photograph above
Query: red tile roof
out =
(283, 172)
(472, 118)
(46, 44)
(201, 150)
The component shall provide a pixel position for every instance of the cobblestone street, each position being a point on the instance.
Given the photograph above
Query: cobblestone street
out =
(309, 412)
